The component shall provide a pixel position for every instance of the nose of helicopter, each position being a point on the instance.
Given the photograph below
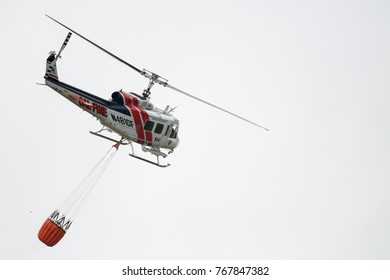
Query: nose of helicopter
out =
(172, 143)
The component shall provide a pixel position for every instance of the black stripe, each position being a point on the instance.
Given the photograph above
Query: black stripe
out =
(112, 106)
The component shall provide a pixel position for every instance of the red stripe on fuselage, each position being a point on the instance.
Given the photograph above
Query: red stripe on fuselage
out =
(140, 117)
(53, 76)
(148, 134)
(138, 124)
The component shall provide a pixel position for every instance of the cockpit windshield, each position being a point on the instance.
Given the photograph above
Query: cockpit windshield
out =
(174, 131)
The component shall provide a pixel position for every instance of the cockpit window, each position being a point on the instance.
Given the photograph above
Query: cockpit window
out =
(174, 130)
(159, 128)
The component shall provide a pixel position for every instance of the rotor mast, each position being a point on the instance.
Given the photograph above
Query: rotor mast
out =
(153, 78)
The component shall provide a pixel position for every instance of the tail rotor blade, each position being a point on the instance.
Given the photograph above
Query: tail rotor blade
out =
(64, 44)
(215, 106)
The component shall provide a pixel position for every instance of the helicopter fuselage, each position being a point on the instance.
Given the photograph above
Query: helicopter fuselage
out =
(127, 114)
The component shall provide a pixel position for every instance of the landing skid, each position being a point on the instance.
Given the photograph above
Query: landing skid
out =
(157, 154)
(149, 161)
(121, 142)
(107, 138)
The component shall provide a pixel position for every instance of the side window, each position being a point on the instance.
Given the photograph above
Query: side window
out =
(159, 128)
(149, 126)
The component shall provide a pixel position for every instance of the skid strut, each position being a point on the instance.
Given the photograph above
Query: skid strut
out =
(132, 154)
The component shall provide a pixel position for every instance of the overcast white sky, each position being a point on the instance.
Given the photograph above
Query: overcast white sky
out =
(316, 73)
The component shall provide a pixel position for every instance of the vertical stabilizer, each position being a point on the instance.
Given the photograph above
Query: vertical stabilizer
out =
(51, 66)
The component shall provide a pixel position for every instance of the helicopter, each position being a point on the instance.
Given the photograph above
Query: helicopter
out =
(130, 115)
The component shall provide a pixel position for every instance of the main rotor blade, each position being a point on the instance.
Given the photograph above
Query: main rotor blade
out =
(155, 78)
(215, 106)
(99, 47)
